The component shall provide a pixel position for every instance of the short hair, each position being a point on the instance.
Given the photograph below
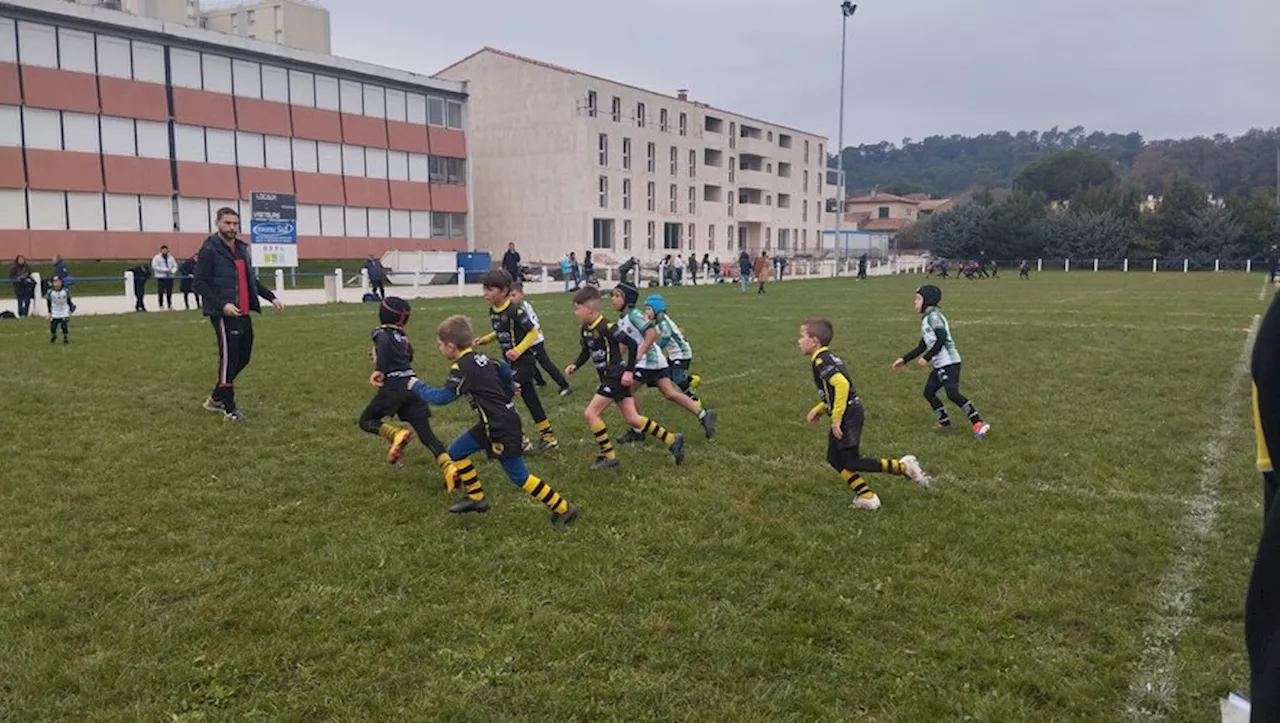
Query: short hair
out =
(164, 248)
(496, 279)
(819, 329)
(587, 295)
(517, 286)
(456, 330)
(227, 211)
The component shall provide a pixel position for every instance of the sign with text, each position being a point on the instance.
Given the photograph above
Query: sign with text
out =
(273, 228)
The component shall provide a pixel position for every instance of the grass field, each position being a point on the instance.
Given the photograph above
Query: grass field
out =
(157, 563)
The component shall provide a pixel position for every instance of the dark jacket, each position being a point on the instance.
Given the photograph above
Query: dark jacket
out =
(23, 286)
(511, 262)
(744, 264)
(216, 277)
(377, 272)
(185, 273)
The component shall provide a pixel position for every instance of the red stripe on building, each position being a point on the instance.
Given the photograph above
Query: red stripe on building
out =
(10, 90)
(320, 189)
(13, 243)
(411, 195)
(367, 192)
(11, 166)
(316, 124)
(264, 180)
(143, 176)
(207, 180)
(263, 116)
(203, 108)
(447, 142)
(359, 130)
(64, 170)
(448, 198)
(409, 137)
(59, 89)
(104, 244)
(133, 99)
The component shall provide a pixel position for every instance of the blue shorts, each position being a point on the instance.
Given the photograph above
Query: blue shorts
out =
(467, 444)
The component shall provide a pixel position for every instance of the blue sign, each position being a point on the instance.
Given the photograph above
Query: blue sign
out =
(273, 232)
(273, 228)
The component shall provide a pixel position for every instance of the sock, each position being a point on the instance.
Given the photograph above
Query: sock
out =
(601, 431)
(544, 428)
(447, 466)
(542, 492)
(892, 466)
(388, 431)
(972, 412)
(651, 427)
(941, 413)
(856, 482)
(695, 381)
(701, 412)
(469, 480)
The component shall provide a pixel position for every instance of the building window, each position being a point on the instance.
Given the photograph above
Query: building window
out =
(684, 124)
(653, 151)
(731, 204)
(728, 239)
(626, 235)
(817, 212)
(674, 162)
(783, 238)
(652, 191)
(626, 154)
(616, 109)
(711, 238)
(693, 200)
(604, 192)
(693, 237)
(804, 236)
(640, 114)
(822, 158)
(733, 134)
(806, 151)
(693, 164)
(603, 150)
(602, 233)
(662, 120)
(591, 103)
(651, 233)
(770, 136)
(453, 114)
(768, 237)
(806, 182)
(768, 199)
(626, 194)
(671, 200)
(883, 212)
(435, 110)
(448, 225)
(733, 164)
(671, 235)
(804, 211)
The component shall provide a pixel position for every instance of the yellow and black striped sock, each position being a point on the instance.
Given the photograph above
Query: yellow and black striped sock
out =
(445, 463)
(856, 482)
(893, 466)
(469, 480)
(542, 492)
(544, 428)
(648, 426)
(601, 431)
(388, 431)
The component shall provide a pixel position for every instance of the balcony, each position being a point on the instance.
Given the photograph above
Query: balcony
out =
(758, 179)
(754, 147)
(753, 213)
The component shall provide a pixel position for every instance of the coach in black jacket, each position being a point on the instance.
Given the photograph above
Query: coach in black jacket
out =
(1262, 604)
(228, 291)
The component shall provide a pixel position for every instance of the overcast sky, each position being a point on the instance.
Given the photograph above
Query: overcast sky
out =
(1166, 68)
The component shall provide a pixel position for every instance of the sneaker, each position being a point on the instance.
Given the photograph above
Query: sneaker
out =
(631, 437)
(52, 339)
(214, 406)
(867, 503)
(560, 520)
(235, 415)
(943, 426)
(566, 391)
(398, 444)
(66, 341)
(546, 445)
(526, 444)
(604, 463)
(677, 448)
(467, 505)
(981, 429)
(914, 471)
(708, 423)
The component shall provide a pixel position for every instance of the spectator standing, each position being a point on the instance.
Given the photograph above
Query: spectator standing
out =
(762, 270)
(862, 267)
(24, 287)
(165, 267)
(229, 291)
(744, 270)
(573, 270)
(588, 267)
(627, 269)
(377, 276)
(60, 270)
(140, 275)
(706, 266)
(511, 262)
(188, 272)
(564, 271)
(693, 268)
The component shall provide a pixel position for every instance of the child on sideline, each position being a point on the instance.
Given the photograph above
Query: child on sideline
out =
(488, 385)
(60, 309)
(392, 355)
(602, 343)
(838, 398)
(539, 348)
(938, 347)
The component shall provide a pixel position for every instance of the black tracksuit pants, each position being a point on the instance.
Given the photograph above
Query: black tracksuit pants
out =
(1262, 602)
(234, 335)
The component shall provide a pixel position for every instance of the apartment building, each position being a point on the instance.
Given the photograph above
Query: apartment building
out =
(567, 161)
(119, 134)
(301, 24)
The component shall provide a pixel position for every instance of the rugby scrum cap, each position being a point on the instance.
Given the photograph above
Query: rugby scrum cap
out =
(656, 302)
(629, 293)
(931, 294)
(393, 310)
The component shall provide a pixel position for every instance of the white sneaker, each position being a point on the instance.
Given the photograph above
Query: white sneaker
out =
(867, 503)
(914, 471)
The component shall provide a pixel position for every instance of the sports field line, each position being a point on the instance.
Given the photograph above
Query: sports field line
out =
(1153, 691)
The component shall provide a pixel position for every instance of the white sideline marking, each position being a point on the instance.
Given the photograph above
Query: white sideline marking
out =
(1154, 690)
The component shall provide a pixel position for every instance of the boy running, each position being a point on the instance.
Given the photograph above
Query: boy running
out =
(938, 347)
(516, 334)
(838, 398)
(539, 348)
(60, 309)
(392, 355)
(488, 385)
(674, 346)
(603, 344)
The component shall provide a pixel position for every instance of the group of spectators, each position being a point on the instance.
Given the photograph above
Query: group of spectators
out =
(164, 268)
(22, 278)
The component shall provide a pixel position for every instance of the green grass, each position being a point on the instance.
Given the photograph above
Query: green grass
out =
(157, 563)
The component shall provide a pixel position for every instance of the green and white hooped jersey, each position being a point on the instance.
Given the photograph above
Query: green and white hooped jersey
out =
(672, 340)
(634, 324)
(948, 354)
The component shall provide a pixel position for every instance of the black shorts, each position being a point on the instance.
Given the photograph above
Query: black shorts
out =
(395, 400)
(611, 387)
(499, 443)
(650, 377)
(681, 364)
(851, 427)
(946, 376)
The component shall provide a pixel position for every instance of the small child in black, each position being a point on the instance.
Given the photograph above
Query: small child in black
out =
(392, 354)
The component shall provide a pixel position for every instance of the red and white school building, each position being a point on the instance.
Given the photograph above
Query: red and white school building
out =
(119, 134)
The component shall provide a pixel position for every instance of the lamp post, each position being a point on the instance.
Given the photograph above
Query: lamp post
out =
(847, 9)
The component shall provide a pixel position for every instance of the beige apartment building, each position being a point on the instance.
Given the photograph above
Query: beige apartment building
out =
(566, 161)
(300, 24)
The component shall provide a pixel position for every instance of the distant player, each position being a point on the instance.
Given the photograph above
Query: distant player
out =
(838, 399)
(539, 348)
(938, 347)
(613, 352)
(392, 355)
(516, 334)
(1024, 270)
(61, 307)
(488, 385)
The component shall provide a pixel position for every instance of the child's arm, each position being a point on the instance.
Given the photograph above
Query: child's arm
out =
(438, 396)
(482, 340)
(650, 336)
(583, 356)
(902, 360)
(530, 335)
(840, 385)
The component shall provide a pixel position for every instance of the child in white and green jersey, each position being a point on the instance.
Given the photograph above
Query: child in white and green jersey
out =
(674, 344)
(652, 368)
(937, 348)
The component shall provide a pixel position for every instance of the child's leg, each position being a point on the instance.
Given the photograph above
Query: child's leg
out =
(931, 388)
(467, 444)
(53, 330)
(418, 416)
(371, 421)
(593, 412)
(63, 323)
(674, 442)
(544, 360)
(529, 393)
(518, 472)
(844, 463)
(673, 394)
(950, 377)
